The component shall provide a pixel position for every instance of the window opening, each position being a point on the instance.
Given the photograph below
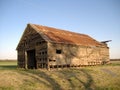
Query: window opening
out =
(43, 52)
(58, 51)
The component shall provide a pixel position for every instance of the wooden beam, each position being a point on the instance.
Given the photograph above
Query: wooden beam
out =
(26, 59)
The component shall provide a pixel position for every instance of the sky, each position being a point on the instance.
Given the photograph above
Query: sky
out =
(99, 19)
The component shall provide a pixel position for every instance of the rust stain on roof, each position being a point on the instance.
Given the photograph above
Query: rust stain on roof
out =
(63, 36)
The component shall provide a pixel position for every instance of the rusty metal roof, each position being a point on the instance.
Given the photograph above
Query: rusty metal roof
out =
(62, 36)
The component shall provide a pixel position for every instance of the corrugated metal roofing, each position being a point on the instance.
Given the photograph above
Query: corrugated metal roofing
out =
(63, 36)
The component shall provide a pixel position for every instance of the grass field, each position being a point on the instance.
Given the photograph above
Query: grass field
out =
(105, 77)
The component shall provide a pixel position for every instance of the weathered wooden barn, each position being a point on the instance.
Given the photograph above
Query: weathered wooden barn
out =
(47, 47)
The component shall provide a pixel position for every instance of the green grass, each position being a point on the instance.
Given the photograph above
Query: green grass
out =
(115, 63)
(8, 64)
(105, 77)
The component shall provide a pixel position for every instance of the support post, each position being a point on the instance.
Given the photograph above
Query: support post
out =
(26, 59)
(48, 66)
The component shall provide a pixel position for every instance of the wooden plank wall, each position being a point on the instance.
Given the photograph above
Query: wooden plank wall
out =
(73, 55)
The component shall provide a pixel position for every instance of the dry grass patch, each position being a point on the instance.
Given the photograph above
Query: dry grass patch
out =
(86, 78)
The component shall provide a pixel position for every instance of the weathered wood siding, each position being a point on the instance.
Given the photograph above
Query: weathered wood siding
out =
(75, 55)
(41, 55)
(32, 40)
(21, 59)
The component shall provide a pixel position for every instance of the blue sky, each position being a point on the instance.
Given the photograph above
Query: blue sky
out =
(98, 18)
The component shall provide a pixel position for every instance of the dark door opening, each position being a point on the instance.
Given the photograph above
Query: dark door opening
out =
(31, 59)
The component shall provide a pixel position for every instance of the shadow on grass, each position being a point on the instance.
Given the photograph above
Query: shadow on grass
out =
(37, 75)
(50, 82)
(88, 85)
(8, 67)
(71, 75)
(55, 85)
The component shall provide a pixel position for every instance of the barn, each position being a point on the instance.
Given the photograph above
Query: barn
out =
(48, 47)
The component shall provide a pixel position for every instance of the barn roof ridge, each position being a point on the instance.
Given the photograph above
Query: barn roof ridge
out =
(52, 34)
(58, 29)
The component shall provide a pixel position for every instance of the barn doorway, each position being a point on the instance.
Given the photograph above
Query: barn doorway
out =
(31, 60)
